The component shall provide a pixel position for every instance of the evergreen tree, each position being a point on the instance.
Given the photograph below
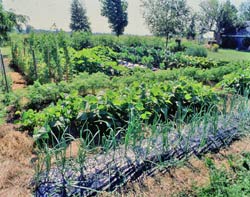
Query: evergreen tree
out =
(79, 20)
(116, 12)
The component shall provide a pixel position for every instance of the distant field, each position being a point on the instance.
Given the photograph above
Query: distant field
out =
(229, 55)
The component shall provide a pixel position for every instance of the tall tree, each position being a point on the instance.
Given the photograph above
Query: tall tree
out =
(218, 17)
(191, 28)
(165, 18)
(5, 24)
(245, 10)
(79, 20)
(10, 20)
(116, 12)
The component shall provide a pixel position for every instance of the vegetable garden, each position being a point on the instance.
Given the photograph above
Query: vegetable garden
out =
(79, 90)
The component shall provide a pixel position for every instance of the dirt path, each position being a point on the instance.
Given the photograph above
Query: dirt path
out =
(16, 149)
(18, 81)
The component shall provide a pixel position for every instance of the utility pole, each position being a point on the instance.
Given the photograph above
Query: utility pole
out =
(4, 72)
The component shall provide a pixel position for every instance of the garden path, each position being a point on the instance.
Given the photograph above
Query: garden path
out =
(16, 151)
(18, 81)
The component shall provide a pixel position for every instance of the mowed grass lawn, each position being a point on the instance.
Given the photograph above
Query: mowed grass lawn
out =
(229, 55)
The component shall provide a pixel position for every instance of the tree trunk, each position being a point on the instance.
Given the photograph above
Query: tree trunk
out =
(166, 50)
(166, 44)
(217, 37)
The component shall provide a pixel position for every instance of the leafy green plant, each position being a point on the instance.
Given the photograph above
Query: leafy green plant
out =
(98, 59)
(149, 99)
(196, 51)
(238, 81)
(228, 183)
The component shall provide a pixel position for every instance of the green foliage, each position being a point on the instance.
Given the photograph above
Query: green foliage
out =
(173, 47)
(80, 40)
(219, 17)
(239, 81)
(9, 20)
(98, 59)
(215, 48)
(179, 60)
(234, 182)
(148, 99)
(196, 51)
(191, 29)
(6, 24)
(116, 12)
(43, 57)
(40, 96)
(150, 57)
(79, 20)
(245, 10)
(165, 18)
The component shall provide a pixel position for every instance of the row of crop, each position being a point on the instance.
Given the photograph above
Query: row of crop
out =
(100, 58)
(81, 40)
(39, 96)
(49, 58)
(45, 57)
(238, 81)
(113, 108)
(157, 58)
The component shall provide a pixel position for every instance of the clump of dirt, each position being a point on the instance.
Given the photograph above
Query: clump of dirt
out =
(183, 178)
(17, 80)
(15, 166)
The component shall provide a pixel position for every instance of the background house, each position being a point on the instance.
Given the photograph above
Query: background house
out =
(239, 40)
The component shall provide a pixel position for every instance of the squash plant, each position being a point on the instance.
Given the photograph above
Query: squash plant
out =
(112, 108)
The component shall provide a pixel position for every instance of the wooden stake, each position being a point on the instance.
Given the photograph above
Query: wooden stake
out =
(4, 72)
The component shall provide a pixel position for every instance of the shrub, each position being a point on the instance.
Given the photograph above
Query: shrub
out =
(196, 51)
(80, 40)
(215, 48)
(173, 47)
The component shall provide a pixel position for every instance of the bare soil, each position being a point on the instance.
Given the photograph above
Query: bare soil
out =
(18, 81)
(183, 178)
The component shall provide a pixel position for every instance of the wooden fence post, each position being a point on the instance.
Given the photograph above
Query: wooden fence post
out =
(34, 62)
(4, 72)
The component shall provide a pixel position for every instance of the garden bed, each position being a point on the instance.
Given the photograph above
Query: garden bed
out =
(107, 172)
